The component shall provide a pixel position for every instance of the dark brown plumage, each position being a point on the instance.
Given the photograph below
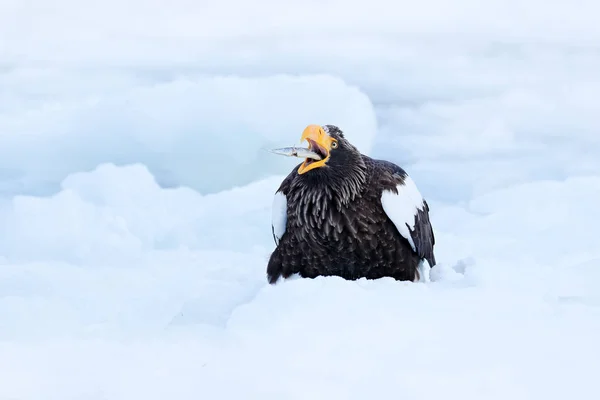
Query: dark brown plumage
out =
(333, 221)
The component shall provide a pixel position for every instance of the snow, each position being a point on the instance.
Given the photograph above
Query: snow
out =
(178, 129)
(136, 198)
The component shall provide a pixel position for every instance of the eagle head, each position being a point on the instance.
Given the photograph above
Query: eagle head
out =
(341, 169)
(338, 155)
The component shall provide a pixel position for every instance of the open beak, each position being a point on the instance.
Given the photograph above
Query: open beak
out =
(319, 142)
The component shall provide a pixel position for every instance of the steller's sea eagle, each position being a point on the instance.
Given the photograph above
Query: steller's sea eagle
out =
(348, 215)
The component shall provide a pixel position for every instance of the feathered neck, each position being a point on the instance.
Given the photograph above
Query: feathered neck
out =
(339, 184)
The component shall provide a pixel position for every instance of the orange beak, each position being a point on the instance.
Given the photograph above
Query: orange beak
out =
(319, 142)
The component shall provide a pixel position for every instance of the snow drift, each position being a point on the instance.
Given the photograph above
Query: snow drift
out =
(208, 133)
(128, 281)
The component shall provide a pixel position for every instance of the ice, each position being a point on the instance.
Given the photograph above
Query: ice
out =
(181, 130)
(136, 199)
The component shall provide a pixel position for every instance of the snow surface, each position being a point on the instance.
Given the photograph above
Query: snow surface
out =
(135, 198)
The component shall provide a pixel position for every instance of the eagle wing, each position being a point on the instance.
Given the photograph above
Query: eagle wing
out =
(278, 216)
(405, 207)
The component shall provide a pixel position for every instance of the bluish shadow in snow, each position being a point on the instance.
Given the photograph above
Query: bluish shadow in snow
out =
(208, 133)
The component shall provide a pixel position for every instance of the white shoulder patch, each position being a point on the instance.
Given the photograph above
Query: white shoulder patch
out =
(279, 216)
(402, 208)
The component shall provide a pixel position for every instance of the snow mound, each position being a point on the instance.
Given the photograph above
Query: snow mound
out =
(147, 291)
(208, 133)
(465, 147)
(118, 213)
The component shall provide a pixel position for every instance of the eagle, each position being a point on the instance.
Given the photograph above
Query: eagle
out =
(348, 215)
